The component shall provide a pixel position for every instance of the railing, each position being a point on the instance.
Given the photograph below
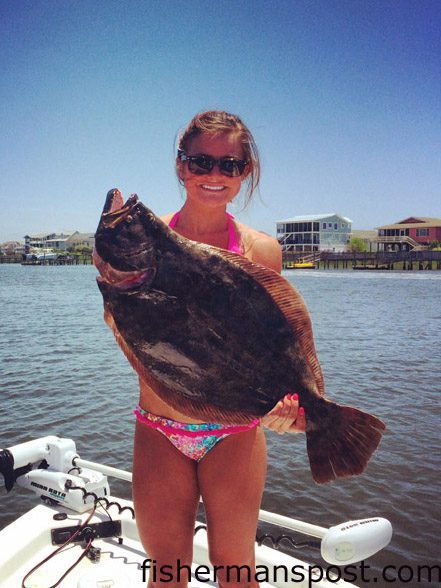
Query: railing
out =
(403, 239)
(385, 256)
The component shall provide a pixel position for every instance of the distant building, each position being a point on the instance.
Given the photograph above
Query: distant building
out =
(12, 248)
(82, 239)
(62, 241)
(320, 232)
(410, 233)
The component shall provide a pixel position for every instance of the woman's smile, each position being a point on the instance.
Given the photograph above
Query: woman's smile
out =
(213, 187)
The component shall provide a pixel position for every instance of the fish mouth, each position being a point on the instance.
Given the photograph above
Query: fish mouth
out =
(124, 280)
(120, 279)
(122, 255)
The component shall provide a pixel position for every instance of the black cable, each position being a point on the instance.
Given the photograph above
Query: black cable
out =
(275, 541)
(54, 553)
(108, 504)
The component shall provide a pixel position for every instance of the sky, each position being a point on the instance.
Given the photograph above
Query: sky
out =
(343, 98)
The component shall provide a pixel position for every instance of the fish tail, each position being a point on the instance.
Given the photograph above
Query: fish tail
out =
(343, 443)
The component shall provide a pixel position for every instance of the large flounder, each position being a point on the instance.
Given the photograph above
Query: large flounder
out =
(219, 337)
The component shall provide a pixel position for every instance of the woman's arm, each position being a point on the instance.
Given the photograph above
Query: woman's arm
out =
(266, 251)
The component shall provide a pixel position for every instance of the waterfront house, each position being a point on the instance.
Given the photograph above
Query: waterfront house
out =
(411, 233)
(62, 241)
(12, 248)
(81, 239)
(319, 232)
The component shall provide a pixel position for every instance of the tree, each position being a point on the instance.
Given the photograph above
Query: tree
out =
(357, 245)
(83, 249)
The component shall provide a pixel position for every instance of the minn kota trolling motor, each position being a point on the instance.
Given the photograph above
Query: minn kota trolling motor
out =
(49, 466)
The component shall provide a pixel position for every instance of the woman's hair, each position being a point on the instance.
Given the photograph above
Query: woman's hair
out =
(216, 122)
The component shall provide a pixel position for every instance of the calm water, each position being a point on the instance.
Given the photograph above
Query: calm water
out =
(378, 340)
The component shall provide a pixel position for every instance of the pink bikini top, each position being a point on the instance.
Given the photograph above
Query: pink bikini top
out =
(233, 242)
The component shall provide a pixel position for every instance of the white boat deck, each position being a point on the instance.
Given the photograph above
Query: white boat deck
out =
(27, 541)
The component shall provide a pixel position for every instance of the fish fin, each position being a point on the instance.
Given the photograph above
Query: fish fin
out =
(290, 303)
(344, 446)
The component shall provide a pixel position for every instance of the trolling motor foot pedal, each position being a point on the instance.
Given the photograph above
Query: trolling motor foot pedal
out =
(102, 530)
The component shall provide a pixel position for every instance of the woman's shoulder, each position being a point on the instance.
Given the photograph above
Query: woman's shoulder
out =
(166, 218)
(261, 247)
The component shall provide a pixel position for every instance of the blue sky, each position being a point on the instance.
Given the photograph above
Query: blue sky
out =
(342, 96)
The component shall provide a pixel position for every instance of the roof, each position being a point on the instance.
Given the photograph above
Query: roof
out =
(364, 234)
(313, 217)
(57, 239)
(81, 236)
(414, 222)
(36, 236)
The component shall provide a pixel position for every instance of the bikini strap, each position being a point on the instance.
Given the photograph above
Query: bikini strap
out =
(233, 241)
(174, 220)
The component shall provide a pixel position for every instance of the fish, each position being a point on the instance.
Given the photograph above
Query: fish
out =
(219, 337)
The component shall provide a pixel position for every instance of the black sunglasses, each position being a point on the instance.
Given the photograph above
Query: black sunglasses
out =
(203, 164)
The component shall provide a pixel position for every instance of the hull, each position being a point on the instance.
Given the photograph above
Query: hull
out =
(27, 541)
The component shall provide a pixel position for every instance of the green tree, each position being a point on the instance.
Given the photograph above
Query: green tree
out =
(80, 249)
(357, 245)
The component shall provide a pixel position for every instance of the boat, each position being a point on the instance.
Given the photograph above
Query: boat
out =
(379, 266)
(83, 537)
(300, 265)
(45, 254)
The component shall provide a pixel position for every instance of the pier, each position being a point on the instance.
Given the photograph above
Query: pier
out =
(416, 260)
(69, 260)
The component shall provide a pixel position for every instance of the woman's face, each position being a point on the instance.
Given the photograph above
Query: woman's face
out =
(213, 188)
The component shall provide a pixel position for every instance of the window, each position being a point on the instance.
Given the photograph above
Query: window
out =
(324, 225)
(335, 226)
(422, 232)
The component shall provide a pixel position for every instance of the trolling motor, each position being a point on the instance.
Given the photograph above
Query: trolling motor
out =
(50, 467)
(44, 466)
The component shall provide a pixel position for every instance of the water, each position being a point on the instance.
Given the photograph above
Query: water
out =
(378, 340)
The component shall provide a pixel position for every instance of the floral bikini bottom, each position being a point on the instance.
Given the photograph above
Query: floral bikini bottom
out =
(193, 440)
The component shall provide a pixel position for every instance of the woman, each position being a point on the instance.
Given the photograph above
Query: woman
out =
(172, 468)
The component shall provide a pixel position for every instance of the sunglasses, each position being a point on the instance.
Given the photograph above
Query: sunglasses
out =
(203, 164)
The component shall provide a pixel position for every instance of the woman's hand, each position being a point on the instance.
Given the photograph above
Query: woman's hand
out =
(286, 416)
